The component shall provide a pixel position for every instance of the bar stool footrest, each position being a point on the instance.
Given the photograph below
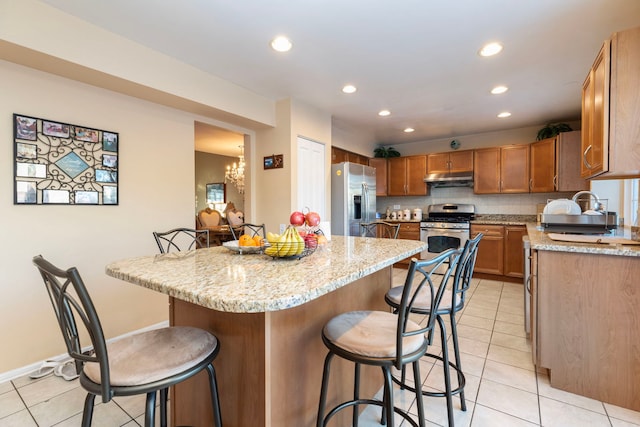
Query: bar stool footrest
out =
(344, 405)
(460, 375)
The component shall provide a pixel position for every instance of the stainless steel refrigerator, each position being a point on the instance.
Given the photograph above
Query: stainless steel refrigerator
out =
(353, 197)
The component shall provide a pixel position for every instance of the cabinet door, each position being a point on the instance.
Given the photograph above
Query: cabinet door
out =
(460, 161)
(595, 107)
(338, 155)
(409, 231)
(543, 166)
(514, 169)
(397, 176)
(416, 170)
(486, 171)
(381, 175)
(513, 250)
(438, 163)
(490, 258)
(567, 164)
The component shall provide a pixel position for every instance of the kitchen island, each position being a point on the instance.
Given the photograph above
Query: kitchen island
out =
(586, 317)
(268, 315)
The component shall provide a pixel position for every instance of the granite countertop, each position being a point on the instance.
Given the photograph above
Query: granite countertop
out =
(223, 280)
(502, 219)
(541, 241)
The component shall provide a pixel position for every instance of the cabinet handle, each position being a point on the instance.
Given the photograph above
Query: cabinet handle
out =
(555, 182)
(530, 184)
(584, 157)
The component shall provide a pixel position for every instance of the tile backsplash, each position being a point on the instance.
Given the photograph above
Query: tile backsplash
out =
(512, 204)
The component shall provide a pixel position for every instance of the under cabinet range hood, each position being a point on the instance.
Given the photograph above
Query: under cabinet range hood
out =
(451, 179)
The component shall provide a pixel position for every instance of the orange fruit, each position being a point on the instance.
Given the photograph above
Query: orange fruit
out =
(258, 240)
(246, 240)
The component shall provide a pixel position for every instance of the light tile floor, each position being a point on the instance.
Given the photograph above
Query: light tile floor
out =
(503, 388)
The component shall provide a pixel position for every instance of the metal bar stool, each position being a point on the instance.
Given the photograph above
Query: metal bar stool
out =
(181, 239)
(387, 340)
(452, 302)
(380, 229)
(143, 363)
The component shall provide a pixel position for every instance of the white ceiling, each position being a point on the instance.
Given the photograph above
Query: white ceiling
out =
(417, 58)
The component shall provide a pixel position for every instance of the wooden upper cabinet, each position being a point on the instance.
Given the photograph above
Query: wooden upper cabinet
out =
(338, 155)
(381, 175)
(555, 165)
(486, 170)
(514, 169)
(595, 123)
(455, 161)
(543, 166)
(406, 176)
(501, 169)
(610, 110)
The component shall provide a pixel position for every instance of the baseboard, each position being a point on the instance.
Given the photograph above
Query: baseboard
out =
(24, 370)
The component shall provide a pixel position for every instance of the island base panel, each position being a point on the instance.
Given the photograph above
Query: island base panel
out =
(588, 325)
(270, 364)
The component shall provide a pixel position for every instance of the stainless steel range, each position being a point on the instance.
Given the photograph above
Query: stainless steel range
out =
(446, 226)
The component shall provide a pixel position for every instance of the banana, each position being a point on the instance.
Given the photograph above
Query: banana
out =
(272, 237)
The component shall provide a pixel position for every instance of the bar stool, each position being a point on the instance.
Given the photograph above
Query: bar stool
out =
(142, 363)
(452, 302)
(381, 229)
(387, 340)
(181, 239)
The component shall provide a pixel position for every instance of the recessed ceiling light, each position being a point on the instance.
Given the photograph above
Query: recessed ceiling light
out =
(349, 89)
(281, 44)
(384, 113)
(490, 49)
(499, 89)
(504, 114)
(409, 130)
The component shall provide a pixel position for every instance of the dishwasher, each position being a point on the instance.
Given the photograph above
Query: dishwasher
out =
(526, 244)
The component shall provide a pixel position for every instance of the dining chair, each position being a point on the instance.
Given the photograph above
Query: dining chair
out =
(452, 303)
(381, 229)
(251, 229)
(142, 363)
(387, 340)
(181, 239)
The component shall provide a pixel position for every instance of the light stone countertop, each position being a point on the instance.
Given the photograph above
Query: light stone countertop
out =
(541, 241)
(223, 280)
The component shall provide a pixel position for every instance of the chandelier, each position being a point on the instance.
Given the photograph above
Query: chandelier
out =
(235, 173)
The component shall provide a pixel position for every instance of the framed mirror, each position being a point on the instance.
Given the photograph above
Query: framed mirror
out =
(217, 192)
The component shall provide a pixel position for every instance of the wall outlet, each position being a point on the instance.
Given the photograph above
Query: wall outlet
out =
(282, 228)
(396, 206)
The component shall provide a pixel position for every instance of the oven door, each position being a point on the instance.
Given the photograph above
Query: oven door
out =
(442, 239)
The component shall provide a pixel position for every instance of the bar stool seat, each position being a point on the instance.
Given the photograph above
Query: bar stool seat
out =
(387, 340)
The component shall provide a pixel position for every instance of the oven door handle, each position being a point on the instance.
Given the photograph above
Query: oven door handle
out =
(445, 230)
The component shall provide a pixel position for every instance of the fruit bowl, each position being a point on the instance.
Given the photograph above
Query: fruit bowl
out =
(290, 245)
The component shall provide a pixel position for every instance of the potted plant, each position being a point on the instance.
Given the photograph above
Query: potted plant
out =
(386, 152)
(552, 129)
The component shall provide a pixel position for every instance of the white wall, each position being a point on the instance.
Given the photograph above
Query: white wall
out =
(156, 192)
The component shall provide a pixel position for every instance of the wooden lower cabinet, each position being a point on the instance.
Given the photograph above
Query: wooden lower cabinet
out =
(409, 231)
(500, 251)
(490, 258)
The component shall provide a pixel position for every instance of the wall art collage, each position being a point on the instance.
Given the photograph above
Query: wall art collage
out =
(64, 164)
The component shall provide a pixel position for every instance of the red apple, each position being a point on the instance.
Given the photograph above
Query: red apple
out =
(311, 241)
(312, 219)
(296, 218)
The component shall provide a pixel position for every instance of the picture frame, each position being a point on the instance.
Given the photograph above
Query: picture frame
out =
(275, 161)
(26, 151)
(217, 192)
(59, 130)
(85, 134)
(25, 127)
(63, 164)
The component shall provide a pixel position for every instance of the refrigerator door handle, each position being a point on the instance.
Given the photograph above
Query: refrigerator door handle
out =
(365, 201)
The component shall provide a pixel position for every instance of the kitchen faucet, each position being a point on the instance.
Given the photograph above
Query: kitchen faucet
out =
(598, 207)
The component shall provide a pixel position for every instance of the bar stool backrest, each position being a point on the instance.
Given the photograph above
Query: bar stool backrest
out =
(181, 239)
(421, 274)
